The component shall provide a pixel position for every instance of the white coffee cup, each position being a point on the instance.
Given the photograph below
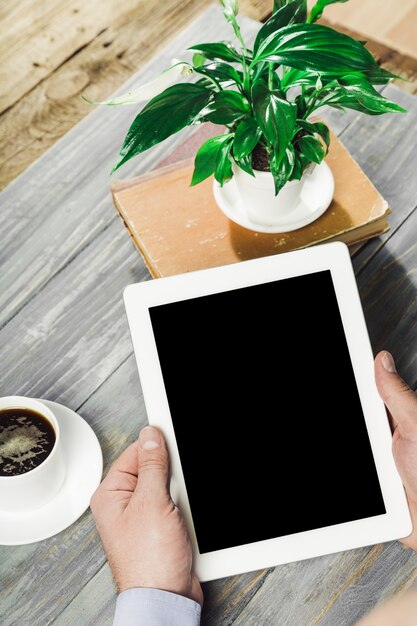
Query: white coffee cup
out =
(34, 488)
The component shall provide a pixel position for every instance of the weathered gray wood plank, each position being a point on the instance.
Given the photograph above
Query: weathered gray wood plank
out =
(73, 334)
(224, 600)
(332, 590)
(93, 605)
(63, 565)
(384, 146)
(62, 201)
(388, 287)
(396, 568)
(402, 198)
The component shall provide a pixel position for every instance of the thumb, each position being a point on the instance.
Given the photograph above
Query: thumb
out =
(400, 400)
(153, 465)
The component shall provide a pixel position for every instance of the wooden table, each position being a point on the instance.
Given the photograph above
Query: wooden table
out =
(65, 259)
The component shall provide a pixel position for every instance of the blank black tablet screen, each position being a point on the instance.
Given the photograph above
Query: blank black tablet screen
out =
(250, 376)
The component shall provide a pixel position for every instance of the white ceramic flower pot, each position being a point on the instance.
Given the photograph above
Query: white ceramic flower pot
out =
(258, 198)
(251, 201)
(263, 207)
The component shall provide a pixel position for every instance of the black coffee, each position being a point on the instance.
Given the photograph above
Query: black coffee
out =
(26, 439)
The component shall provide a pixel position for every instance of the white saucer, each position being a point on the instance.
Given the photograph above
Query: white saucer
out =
(84, 467)
(316, 197)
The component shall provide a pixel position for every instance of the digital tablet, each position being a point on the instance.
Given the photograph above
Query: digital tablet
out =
(260, 375)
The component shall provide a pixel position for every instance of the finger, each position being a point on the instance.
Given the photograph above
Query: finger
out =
(400, 400)
(153, 465)
(123, 474)
(127, 461)
(124, 470)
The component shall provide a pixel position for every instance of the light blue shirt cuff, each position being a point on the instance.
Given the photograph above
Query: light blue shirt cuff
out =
(153, 607)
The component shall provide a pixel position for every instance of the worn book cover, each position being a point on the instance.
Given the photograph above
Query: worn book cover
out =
(178, 228)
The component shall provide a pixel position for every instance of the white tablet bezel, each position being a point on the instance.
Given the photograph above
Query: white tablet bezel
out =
(396, 523)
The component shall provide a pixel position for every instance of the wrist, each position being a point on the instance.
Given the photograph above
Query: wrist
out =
(190, 589)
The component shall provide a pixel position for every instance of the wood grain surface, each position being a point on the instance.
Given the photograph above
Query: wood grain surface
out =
(64, 261)
(51, 52)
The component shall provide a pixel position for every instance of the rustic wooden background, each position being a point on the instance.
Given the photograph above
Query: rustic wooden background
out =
(65, 259)
(51, 51)
(390, 22)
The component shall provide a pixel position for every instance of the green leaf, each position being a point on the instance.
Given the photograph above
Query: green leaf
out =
(358, 94)
(262, 72)
(294, 77)
(324, 133)
(208, 157)
(282, 169)
(198, 59)
(301, 104)
(245, 163)
(316, 127)
(247, 136)
(166, 114)
(318, 8)
(222, 72)
(311, 148)
(223, 171)
(276, 117)
(355, 92)
(379, 76)
(226, 107)
(315, 48)
(205, 82)
(222, 50)
(291, 13)
(298, 168)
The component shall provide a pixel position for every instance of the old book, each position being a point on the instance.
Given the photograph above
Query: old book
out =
(178, 228)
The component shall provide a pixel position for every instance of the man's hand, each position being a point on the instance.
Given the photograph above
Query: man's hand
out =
(143, 533)
(401, 402)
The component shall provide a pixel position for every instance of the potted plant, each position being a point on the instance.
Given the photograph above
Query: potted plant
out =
(263, 97)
